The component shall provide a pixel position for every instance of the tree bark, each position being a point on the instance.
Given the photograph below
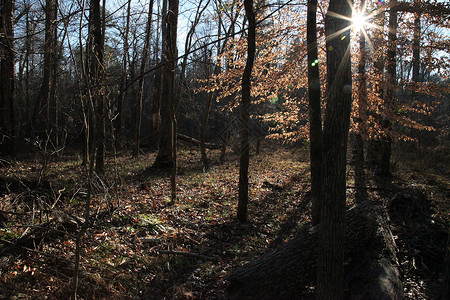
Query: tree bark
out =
(330, 275)
(373, 145)
(123, 83)
(28, 51)
(165, 156)
(100, 116)
(315, 114)
(416, 45)
(156, 105)
(145, 52)
(45, 106)
(361, 128)
(7, 78)
(95, 75)
(287, 271)
(50, 61)
(158, 83)
(245, 117)
(383, 166)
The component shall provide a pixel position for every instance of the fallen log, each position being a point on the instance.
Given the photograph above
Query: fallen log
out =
(289, 271)
(196, 142)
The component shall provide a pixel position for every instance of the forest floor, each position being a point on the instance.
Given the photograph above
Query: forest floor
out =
(139, 247)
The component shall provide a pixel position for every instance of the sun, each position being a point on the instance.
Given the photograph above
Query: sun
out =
(359, 20)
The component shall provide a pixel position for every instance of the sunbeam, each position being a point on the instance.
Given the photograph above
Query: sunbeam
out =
(359, 20)
(362, 21)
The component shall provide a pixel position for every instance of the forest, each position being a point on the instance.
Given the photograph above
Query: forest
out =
(224, 149)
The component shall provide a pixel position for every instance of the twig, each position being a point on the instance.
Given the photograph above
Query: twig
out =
(57, 199)
(45, 228)
(14, 213)
(187, 254)
(191, 239)
(372, 188)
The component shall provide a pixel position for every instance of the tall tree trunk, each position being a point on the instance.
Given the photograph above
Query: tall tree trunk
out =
(416, 45)
(157, 88)
(373, 146)
(173, 54)
(101, 113)
(261, 134)
(85, 96)
(315, 131)
(44, 107)
(156, 105)
(145, 52)
(95, 72)
(165, 157)
(245, 114)
(383, 165)
(7, 78)
(54, 104)
(361, 128)
(29, 34)
(123, 83)
(99, 38)
(330, 267)
(55, 54)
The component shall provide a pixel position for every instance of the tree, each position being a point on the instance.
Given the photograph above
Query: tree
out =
(383, 166)
(330, 265)
(46, 110)
(119, 124)
(7, 77)
(145, 53)
(158, 82)
(385, 80)
(189, 36)
(220, 50)
(245, 116)
(24, 76)
(373, 145)
(165, 157)
(315, 124)
(416, 45)
(277, 70)
(360, 118)
(167, 152)
(95, 83)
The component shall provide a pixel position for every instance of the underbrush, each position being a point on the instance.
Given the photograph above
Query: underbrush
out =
(137, 246)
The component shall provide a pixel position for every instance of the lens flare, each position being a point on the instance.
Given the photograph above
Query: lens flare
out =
(359, 20)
